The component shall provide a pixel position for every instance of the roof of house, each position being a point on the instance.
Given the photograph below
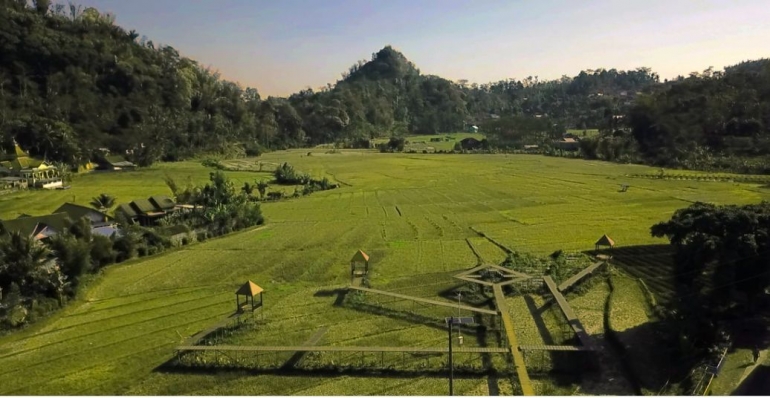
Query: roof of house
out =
(605, 241)
(155, 205)
(32, 226)
(162, 202)
(249, 289)
(127, 210)
(143, 206)
(19, 160)
(360, 256)
(77, 212)
(568, 140)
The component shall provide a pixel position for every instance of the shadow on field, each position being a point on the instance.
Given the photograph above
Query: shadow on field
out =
(412, 317)
(340, 293)
(170, 367)
(758, 382)
(537, 317)
(469, 296)
(650, 359)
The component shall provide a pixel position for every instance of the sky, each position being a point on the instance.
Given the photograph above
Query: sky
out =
(283, 46)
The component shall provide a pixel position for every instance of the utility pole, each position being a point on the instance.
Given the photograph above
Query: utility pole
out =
(451, 321)
(451, 364)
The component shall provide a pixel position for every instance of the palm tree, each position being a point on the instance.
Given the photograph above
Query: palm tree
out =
(247, 188)
(23, 257)
(103, 202)
(262, 188)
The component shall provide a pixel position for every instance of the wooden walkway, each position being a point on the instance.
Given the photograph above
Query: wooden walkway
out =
(572, 319)
(340, 349)
(579, 276)
(426, 301)
(518, 358)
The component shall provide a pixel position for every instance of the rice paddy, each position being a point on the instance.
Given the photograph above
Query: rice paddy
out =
(412, 213)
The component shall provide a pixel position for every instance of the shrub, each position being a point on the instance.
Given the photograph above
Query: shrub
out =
(397, 143)
(213, 163)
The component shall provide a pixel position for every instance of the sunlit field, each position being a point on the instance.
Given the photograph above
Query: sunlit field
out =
(411, 213)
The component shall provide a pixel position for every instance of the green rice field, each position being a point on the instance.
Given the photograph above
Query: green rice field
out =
(412, 213)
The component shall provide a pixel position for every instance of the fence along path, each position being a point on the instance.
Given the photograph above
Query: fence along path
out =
(579, 276)
(572, 319)
(424, 300)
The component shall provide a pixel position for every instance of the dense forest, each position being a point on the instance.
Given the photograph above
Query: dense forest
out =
(71, 81)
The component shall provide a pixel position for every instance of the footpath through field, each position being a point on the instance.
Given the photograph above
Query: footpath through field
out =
(518, 358)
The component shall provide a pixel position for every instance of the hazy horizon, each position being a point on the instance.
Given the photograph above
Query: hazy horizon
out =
(283, 47)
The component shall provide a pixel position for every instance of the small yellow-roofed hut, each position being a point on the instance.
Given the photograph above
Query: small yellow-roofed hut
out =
(359, 264)
(605, 241)
(250, 290)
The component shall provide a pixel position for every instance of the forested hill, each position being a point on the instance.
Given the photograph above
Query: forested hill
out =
(388, 93)
(71, 81)
(707, 118)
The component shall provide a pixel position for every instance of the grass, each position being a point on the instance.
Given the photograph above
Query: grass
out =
(423, 142)
(410, 212)
(125, 186)
(631, 319)
(579, 132)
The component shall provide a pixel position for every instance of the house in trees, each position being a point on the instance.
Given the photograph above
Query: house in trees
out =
(19, 170)
(567, 144)
(115, 163)
(101, 223)
(148, 212)
(37, 227)
(46, 226)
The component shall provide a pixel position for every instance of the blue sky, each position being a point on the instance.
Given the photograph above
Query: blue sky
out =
(283, 46)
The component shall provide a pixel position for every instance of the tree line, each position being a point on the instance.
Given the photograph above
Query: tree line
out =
(71, 82)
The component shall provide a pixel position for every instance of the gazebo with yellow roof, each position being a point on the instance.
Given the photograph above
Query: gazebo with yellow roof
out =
(359, 264)
(250, 290)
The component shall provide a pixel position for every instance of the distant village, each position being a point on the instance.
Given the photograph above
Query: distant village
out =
(18, 170)
(145, 212)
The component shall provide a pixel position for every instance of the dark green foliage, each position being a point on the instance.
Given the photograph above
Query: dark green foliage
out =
(26, 263)
(103, 202)
(213, 163)
(396, 144)
(713, 119)
(722, 263)
(262, 188)
(102, 251)
(285, 174)
(73, 254)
